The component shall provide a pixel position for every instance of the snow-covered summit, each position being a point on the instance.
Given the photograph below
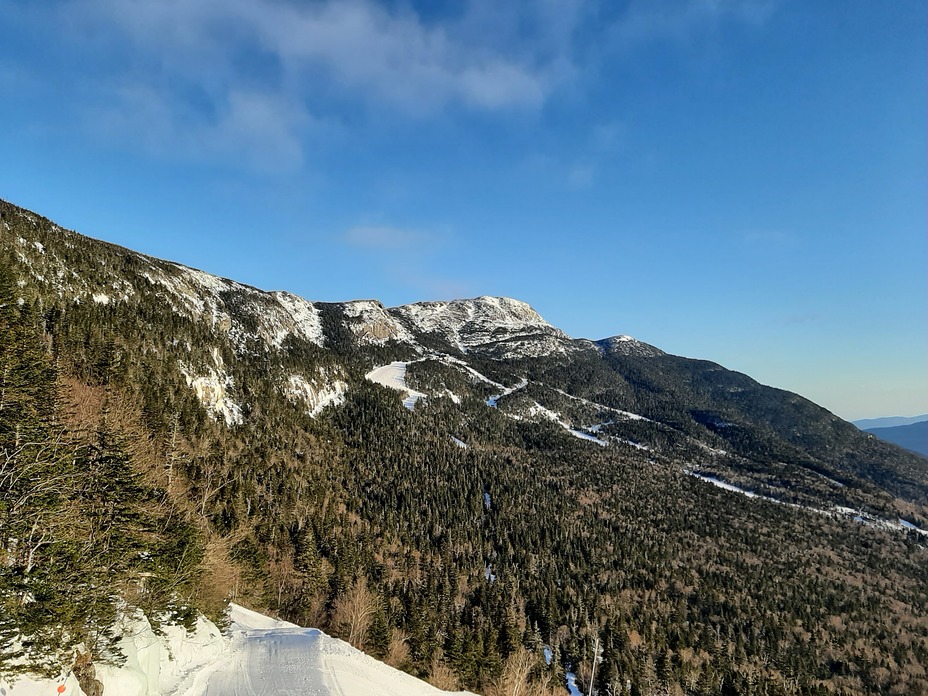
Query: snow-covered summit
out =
(626, 345)
(482, 324)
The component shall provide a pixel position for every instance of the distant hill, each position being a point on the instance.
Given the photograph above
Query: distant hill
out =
(889, 422)
(912, 437)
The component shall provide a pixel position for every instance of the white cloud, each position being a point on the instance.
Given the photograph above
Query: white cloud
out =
(404, 256)
(255, 80)
(360, 47)
(580, 176)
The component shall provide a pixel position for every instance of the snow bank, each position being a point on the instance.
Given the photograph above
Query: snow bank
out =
(171, 663)
(258, 655)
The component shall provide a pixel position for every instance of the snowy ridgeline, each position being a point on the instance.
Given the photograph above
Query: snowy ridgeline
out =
(258, 655)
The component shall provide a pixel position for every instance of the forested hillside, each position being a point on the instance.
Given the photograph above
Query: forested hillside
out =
(172, 440)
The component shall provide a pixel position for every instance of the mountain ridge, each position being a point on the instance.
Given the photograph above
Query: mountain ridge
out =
(913, 436)
(889, 421)
(485, 481)
(503, 331)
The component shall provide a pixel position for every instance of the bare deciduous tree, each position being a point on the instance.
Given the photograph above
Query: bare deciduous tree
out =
(354, 612)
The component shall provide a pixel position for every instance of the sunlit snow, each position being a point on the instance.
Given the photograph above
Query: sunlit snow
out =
(394, 377)
(722, 484)
(258, 655)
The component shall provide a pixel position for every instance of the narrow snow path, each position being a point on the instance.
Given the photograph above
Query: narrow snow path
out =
(491, 402)
(281, 661)
(276, 658)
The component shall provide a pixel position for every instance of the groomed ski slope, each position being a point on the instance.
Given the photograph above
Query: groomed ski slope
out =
(394, 377)
(275, 657)
(258, 656)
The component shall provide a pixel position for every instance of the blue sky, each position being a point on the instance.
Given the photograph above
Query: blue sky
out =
(737, 180)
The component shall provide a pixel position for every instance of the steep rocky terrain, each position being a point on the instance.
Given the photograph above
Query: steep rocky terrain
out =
(480, 483)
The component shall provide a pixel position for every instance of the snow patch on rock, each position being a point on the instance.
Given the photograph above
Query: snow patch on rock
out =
(316, 395)
(499, 324)
(212, 390)
(304, 316)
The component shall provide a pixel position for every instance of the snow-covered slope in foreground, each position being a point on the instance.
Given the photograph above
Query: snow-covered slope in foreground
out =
(257, 656)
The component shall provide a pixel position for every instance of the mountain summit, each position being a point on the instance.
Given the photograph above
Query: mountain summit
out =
(457, 487)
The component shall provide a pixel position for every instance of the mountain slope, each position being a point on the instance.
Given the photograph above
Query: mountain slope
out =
(480, 483)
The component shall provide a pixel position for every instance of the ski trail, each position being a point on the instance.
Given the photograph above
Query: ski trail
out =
(492, 401)
(282, 662)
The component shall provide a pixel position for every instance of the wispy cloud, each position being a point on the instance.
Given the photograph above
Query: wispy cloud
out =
(252, 78)
(361, 48)
(405, 257)
(803, 318)
(379, 237)
(580, 176)
(260, 127)
(255, 80)
(766, 238)
(681, 19)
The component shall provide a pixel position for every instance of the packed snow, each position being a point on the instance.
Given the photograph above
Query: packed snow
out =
(474, 374)
(258, 655)
(858, 516)
(539, 410)
(624, 415)
(636, 445)
(394, 377)
(718, 483)
(493, 400)
(586, 436)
